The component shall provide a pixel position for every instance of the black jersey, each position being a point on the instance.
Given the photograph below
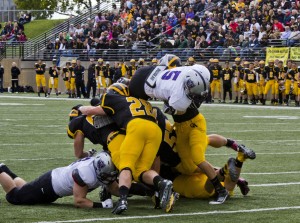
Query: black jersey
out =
(282, 73)
(216, 72)
(166, 149)
(100, 70)
(227, 75)
(138, 80)
(85, 125)
(123, 109)
(271, 72)
(131, 70)
(66, 73)
(188, 115)
(250, 76)
(291, 74)
(53, 72)
(261, 73)
(40, 68)
(237, 70)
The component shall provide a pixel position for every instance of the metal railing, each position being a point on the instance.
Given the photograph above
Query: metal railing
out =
(148, 54)
(11, 50)
(39, 43)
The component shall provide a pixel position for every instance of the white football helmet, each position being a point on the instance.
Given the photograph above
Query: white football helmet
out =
(170, 61)
(196, 83)
(105, 169)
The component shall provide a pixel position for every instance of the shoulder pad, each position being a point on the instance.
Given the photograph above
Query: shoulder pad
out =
(77, 178)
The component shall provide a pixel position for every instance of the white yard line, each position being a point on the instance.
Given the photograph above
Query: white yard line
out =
(274, 173)
(285, 153)
(274, 184)
(177, 215)
(152, 102)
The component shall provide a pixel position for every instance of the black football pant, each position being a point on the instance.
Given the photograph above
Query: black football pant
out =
(227, 88)
(14, 85)
(80, 88)
(91, 84)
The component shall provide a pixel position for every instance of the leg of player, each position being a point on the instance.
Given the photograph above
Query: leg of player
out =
(8, 179)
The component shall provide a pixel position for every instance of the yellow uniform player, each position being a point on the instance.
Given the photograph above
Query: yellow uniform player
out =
(40, 69)
(100, 70)
(72, 78)
(251, 79)
(215, 70)
(54, 72)
(66, 74)
(271, 74)
(238, 79)
(140, 145)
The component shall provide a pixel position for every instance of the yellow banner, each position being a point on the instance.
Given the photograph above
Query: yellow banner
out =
(278, 53)
(295, 53)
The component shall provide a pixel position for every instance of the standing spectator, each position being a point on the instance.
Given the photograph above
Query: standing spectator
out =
(79, 79)
(91, 79)
(1, 78)
(15, 72)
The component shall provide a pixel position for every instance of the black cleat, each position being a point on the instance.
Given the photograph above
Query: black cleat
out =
(232, 170)
(104, 194)
(248, 153)
(222, 196)
(120, 207)
(165, 194)
(243, 185)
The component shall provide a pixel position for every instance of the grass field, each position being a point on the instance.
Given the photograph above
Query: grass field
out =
(33, 140)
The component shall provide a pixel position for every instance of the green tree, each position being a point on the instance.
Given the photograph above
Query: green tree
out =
(48, 7)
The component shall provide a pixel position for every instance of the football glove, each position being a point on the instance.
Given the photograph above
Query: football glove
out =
(76, 107)
(91, 152)
(168, 109)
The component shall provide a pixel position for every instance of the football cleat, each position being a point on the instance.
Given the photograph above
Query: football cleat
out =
(248, 153)
(165, 194)
(120, 207)
(222, 196)
(104, 194)
(232, 171)
(243, 185)
(156, 201)
(174, 197)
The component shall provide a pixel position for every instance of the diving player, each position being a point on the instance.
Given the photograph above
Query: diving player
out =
(77, 179)
(140, 144)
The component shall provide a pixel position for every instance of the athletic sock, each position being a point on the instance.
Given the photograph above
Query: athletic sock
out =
(156, 181)
(217, 184)
(5, 169)
(232, 144)
(239, 160)
(123, 191)
(141, 190)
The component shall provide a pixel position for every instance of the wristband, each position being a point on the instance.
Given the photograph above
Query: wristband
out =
(97, 205)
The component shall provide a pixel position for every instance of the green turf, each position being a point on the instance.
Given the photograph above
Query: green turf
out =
(34, 140)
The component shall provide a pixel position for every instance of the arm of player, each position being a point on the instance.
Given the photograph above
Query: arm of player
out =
(79, 145)
(79, 195)
(91, 110)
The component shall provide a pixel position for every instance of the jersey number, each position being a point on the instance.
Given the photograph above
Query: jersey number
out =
(169, 138)
(139, 107)
(171, 74)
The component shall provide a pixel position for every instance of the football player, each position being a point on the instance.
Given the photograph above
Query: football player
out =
(298, 91)
(280, 85)
(109, 73)
(215, 70)
(131, 68)
(72, 79)
(96, 129)
(191, 61)
(183, 89)
(238, 79)
(251, 79)
(54, 72)
(271, 74)
(288, 80)
(261, 77)
(40, 69)
(100, 69)
(227, 76)
(154, 62)
(139, 146)
(77, 179)
(66, 74)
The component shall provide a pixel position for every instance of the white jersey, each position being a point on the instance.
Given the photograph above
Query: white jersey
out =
(169, 86)
(62, 180)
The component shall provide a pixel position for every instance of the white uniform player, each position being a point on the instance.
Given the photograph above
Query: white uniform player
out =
(171, 85)
(77, 179)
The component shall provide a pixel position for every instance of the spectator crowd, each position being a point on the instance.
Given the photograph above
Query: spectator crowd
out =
(237, 27)
(14, 31)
